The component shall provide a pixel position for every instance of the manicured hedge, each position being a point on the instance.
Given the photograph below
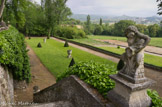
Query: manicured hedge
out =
(70, 32)
(13, 54)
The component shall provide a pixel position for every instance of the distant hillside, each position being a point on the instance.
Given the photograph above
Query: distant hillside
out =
(113, 19)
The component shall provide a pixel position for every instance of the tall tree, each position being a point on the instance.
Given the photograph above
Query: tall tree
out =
(153, 30)
(160, 7)
(100, 21)
(120, 27)
(15, 12)
(88, 24)
(2, 6)
(56, 11)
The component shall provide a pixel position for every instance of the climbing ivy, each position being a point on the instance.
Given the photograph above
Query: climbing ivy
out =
(13, 54)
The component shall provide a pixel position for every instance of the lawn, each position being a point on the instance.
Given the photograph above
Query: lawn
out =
(154, 41)
(89, 41)
(53, 55)
(150, 59)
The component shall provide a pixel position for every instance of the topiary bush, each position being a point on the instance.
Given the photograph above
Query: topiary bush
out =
(13, 54)
(95, 74)
(66, 44)
(39, 45)
(118, 47)
(156, 99)
(72, 62)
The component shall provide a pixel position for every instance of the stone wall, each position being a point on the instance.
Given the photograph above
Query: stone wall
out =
(72, 90)
(6, 87)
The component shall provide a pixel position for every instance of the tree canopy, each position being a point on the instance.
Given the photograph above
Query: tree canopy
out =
(160, 7)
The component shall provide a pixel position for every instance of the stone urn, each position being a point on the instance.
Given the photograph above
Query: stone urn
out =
(69, 52)
(44, 40)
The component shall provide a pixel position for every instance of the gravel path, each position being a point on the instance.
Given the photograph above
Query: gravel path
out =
(41, 77)
(150, 73)
(149, 49)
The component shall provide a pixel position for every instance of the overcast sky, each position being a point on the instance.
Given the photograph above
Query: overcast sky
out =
(141, 8)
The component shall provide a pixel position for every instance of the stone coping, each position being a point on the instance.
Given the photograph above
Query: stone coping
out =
(132, 86)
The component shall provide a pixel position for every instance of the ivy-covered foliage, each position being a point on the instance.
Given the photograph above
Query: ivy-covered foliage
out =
(13, 54)
(95, 74)
(156, 99)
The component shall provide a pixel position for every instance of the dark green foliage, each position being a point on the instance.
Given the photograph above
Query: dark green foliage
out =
(14, 54)
(142, 28)
(95, 74)
(156, 99)
(118, 47)
(159, 7)
(100, 21)
(153, 30)
(120, 65)
(72, 62)
(70, 32)
(88, 24)
(98, 30)
(39, 45)
(120, 27)
(66, 44)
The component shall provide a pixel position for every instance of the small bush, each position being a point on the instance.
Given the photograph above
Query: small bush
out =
(118, 47)
(95, 74)
(39, 45)
(72, 62)
(66, 44)
(120, 65)
(156, 99)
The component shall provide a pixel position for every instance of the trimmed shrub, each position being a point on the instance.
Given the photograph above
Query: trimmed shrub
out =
(118, 47)
(13, 54)
(39, 45)
(66, 44)
(95, 74)
(72, 62)
(156, 99)
(120, 65)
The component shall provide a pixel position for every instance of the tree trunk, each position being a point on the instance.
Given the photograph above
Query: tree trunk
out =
(2, 7)
(49, 33)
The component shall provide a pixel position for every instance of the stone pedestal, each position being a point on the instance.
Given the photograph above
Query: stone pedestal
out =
(128, 94)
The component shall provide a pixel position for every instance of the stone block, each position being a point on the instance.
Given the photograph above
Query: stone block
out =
(127, 94)
(73, 90)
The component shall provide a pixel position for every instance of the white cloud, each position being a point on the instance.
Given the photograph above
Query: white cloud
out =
(113, 7)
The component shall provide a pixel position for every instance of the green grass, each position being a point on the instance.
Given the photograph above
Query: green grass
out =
(53, 55)
(154, 41)
(150, 59)
(89, 41)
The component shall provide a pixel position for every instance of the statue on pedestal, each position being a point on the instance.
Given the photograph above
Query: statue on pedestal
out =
(130, 82)
(133, 57)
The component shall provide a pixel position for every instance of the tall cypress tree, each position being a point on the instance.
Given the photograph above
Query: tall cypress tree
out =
(88, 23)
(100, 21)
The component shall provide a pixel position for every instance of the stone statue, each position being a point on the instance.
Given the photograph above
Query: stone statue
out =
(130, 82)
(133, 58)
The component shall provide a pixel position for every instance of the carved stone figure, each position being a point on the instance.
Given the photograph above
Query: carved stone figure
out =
(130, 82)
(133, 58)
